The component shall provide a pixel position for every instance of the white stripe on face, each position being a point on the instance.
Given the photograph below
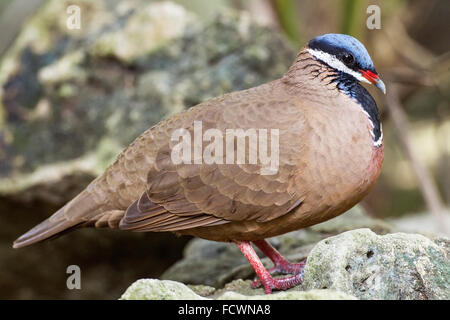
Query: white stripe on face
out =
(335, 63)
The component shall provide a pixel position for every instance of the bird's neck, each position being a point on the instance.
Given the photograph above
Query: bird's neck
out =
(308, 75)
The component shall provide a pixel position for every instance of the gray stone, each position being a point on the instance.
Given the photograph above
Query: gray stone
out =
(153, 289)
(71, 100)
(355, 218)
(369, 266)
(324, 294)
(424, 223)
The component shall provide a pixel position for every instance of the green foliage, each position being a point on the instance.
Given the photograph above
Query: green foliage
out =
(352, 17)
(287, 12)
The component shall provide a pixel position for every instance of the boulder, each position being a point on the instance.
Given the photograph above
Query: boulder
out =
(153, 289)
(369, 266)
(71, 100)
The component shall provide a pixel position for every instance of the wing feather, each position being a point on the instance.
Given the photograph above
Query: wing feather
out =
(195, 195)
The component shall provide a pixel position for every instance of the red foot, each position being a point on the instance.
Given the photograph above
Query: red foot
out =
(280, 265)
(286, 268)
(278, 283)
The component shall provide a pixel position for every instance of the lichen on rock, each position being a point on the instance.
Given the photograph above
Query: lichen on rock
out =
(66, 94)
(369, 266)
(153, 289)
(321, 294)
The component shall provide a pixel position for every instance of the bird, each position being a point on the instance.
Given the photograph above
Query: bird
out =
(325, 131)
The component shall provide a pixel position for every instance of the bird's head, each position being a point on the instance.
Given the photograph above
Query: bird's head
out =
(347, 55)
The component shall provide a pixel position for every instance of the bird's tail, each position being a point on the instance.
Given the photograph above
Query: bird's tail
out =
(71, 215)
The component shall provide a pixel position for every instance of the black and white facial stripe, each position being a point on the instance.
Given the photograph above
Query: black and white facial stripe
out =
(336, 64)
(347, 80)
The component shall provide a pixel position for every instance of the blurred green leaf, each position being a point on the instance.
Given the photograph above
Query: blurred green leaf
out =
(287, 12)
(353, 14)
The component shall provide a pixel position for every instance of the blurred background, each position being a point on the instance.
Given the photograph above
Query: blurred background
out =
(71, 98)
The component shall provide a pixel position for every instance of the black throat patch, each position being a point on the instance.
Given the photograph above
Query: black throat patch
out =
(351, 87)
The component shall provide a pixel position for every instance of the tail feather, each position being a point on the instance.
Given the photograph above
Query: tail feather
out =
(42, 231)
(72, 214)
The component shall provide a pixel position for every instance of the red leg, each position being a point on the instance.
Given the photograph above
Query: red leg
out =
(280, 263)
(266, 279)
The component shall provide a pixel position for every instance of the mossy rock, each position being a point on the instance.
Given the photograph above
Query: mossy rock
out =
(153, 289)
(71, 100)
(392, 266)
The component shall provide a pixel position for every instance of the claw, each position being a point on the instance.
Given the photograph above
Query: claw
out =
(280, 265)
(291, 268)
(280, 283)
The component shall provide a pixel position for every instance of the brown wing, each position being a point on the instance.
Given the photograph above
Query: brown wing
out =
(144, 191)
(191, 195)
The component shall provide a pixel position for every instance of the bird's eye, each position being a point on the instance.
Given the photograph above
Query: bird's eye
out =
(348, 58)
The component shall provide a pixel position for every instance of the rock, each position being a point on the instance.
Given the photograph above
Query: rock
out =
(201, 290)
(153, 289)
(290, 295)
(355, 218)
(215, 264)
(208, 262)
(241, 290)
(70, 100)
(422, 223)
(369, 266)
